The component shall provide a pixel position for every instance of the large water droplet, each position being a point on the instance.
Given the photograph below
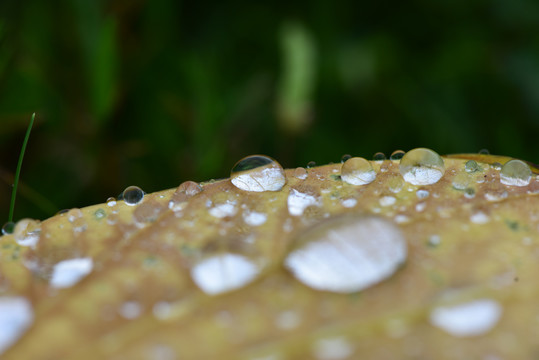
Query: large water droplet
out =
(515, 173)
(223, 272)
(67, 273)
(16, 315)
(357, 171)
(133, 195)
(347, 253)
(422, 167)
(469, 319)
(258, 173)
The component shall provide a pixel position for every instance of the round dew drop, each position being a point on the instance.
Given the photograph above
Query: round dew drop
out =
(133, 195)
(357, 171)
(8, 228)
(258, 173)
(471, 166)
(347, 253)
(515, 173)
(379, 156)
(396, 155)
(422, 166)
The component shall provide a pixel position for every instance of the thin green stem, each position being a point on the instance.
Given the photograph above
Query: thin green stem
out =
(19, 166)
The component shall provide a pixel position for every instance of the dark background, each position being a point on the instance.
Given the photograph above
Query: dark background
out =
(153, 93)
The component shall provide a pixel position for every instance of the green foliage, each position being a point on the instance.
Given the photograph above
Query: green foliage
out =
(156, 92)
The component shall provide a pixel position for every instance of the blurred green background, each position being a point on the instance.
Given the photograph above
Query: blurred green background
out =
(153, 93)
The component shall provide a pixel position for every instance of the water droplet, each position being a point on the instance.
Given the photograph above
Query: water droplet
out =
(484, 152)
(422, 167)
(8, 228)
(349, 203)
(347, 253)
(345, 157)
(27, 232)
(297, 202)
(147, 213)
(472, 166)
(461, 181)
(111, 202)
(16, 315)
(100, 214)
(468, 319)
(496, 166)
(479, 218)
(254, 218)
(434, 240)
(300, 173)
(515, 173)
(73, 215)
(419, 207)
(63, 211)
(469, 193)
(333, 349)
(67, 273)
(133, 195)
(222, 210)
(379, 156)
(396, 155)
(387, 200)
(184, 192)
(311, 164)
(422, 194)
(357, 171)
(258, 173)
(223, 273)
(395, 183)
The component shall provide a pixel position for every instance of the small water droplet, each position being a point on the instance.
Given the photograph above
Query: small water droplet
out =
(472, 166)
(300, 173)
(100, 214)
(349, 203)
(8, 228)
(468, 319)
(254, 218)
(147, 213)
(133, 195)
(479, 218)
(461, 181)
(223, 272)
(422, 166)
(419, 207)
(469, 193)
(333, 349)
(16, 315)
(434, 240)
(345, 157)
(63, 211)
(515, 173)
(397, 155)
(73, 215)
(27, 232)
(357, 171)
(184, 192)
(130, 310)
(258, 173)
(484, 152)
(496, 166)
(222, 210)
(67, 273)
(311, 164)
(379, 156)
(297, 202)
(422, 194)
(347, 253)
(111, 202)
(387, 200)
(395, 183)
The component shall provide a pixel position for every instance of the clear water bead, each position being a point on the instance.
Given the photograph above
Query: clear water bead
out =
(515, 173)
(379, 156)
(258, 173)
(300, 173)
(422, 166)
(471, 166)
(347, 253)
(133, 195)
(186, 190)
(397, 155)
(223, 272)
(8, 228)
(345, 157)
(357, 171)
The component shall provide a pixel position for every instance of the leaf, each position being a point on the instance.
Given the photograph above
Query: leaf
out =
(472, 252)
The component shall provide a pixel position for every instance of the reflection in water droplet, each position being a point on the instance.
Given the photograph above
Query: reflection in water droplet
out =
(186, 190)
(469, 319)
(347, 253)
(422, 167)
(258, 173)
(297, 202)
(133, 195)
(68, 272)
(27, 232)
(515, 173)
(396, 155)
(379, 156)
(224, 272)
(16, 315)
(8, 228)
(471, 166)
(300, 173)
(345, 157)
(357, 171)
(333, 349)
